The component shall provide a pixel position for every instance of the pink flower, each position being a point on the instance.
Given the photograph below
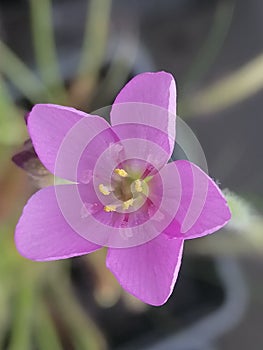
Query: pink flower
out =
(123, 192)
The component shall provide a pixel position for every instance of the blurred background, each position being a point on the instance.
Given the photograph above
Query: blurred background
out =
(80, 53)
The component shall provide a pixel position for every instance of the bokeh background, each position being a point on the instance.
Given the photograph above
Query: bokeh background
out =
(80, 53)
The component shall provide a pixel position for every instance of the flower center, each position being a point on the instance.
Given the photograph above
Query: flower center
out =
(127, 188)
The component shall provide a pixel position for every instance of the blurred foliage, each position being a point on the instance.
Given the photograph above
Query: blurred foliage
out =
(46, 58)
(229, 90)
(213, 44)
(39, 308)
(11, 123)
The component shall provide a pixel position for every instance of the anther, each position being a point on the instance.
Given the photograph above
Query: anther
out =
(127, 204)
(109, 208)
(104, 190)
(138, 185)
(121, 172)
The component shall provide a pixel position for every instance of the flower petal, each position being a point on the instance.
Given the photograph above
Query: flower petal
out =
(49, 126)
(143, 132)
(203, 208)
(149, 99)
(43, 234)
(148, 271)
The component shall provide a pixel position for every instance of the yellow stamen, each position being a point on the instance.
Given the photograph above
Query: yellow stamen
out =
(127, 204)
(104, 190)
(109, 208)
(138, 185)
(121, 172)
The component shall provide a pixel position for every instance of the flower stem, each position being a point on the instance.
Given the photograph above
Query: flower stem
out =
(21, 76)
(23, 312)
(45, 48)
(85, 335)
(12, 127)
(46, 334)
(228, 91)
(93, 51)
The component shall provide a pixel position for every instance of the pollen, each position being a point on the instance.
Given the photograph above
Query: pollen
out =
(121, 172)
(104, 190)
(109, 208)
(138, 185)
(127, 204)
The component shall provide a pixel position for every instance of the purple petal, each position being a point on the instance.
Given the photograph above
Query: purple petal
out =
(149, 99)
(88, 152)
(151, 135)
(42, 232)
(60, 134)
(203, 208)
(148, 271)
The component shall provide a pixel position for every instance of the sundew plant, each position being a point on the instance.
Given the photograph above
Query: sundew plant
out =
(100, 210)
(127, 196)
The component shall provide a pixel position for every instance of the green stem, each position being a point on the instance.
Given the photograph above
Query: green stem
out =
(213, 43)
(5, 296)
(21, 76)
(93, 51)
(95, 37)
(12, 128)
(45, 48)
(46, 334)
(228, 91)
(23, 312)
